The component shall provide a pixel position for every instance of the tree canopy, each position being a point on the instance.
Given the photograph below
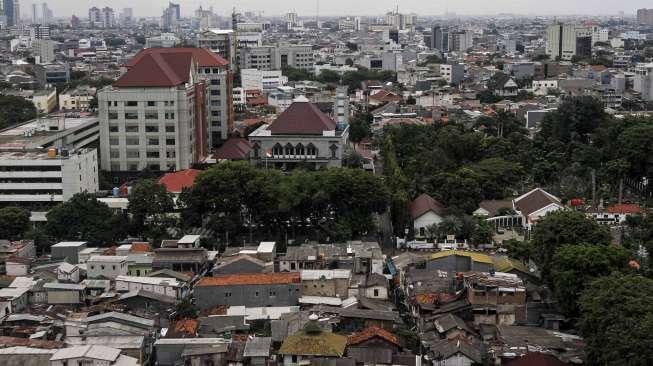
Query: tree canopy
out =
(14, 110)
(150, 206)
(14, 222)
(617, 320)
(83, 217)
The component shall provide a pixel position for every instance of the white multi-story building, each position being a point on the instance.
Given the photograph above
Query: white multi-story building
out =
(277, 57)
(221, 41)
(106, 266)
(600, 35)
(170, 287)
(643, 81)
(564, 41)
(38, 180)
(77, 99)
(43, 50)
(253, 79)
(159, 114)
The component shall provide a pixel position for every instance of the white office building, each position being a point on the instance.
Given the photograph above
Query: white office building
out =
(253, 79)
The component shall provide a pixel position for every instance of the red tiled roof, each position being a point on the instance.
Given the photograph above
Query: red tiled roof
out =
(423, 204)
(536, 359)
(183, 328)
(371, 332)
(202, 56)
(34, 343)
(625, 208)
(302, 118)
(279, 278)
(235, 148)
(432, 298)
(140, 247)
(175, 182)
(158, 70)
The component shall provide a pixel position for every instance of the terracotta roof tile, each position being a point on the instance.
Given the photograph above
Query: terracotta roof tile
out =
(251, 279)
(203, 57)
(175, 182)
(183, 328)
(158, 70)
(536, 359)
(234, 148)
(425, 203)
(372, 332)
(625, 208)
(302, 118)
(140, 247)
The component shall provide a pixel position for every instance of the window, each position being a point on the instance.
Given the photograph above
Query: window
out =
(170, 103)
(256, 294)
(273, 293)
(334, 151)
(170, 141)
(227, 294)
(216, 71)
(151, 115)
(133, 167)
(170, 154)
(114, 267)
(153, 154)
(215, 82)
(151, 128)
(132, 154)
(153, 141)
(131, 103)
(151, 104)
(215, 92)
(114, 141)
(290, 150)
(277, 150)
(131, 129)
(92, 267)
(113, 115)
(155, 167)
(113, 128)
(170, 115)
(299, 150)
(131, 115)
(102, 267)
(170, 128)
(115, 154)
(216, 113)
(376, 292)
(132, 141)
(311, 150)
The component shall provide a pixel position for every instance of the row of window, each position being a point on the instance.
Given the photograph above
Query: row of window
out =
(136, 128)
(136, 154)
(257, 293)
(171, 166)
(151, 141)
(147, 115)
(135, 103)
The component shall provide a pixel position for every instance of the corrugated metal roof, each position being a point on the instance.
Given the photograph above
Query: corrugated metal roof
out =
(326, 274)
(91, 351)
(476, 257)
(257, 347)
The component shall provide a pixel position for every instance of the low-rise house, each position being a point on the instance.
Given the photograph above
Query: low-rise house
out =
(169, 287)
(377, 346)
(68, 250)
(95, 288)
(77, 99)
(18, 266)
(257, 349)
(106, 266)
(68, 273)
(492, 208)
(311, 345)
(85, 254)
(496, 298)
(616, 214)
(512, 342)
(65, 293)
(241, 263)
(25, 356)
(180, 259)
(250, 290)
(375, 286)
(95, 355)
(450, 326)
(534, 205)
(327, 283)
(454, 352)
(452, 261)
(359, 257)
(146, 303)
(425, 212)
(197, 351)
(13, 300)
(17, 249)
(215, 326)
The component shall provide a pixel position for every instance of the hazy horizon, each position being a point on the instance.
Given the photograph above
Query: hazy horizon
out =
(64, 8)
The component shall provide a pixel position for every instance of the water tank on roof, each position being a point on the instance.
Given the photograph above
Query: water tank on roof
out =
(115, 191)
(52, 152)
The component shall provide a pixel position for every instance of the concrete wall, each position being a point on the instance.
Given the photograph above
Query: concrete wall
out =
(249, 295)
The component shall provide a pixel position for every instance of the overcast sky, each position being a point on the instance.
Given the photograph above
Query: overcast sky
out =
(357, 7)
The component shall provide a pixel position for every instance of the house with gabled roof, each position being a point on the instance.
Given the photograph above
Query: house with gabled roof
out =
(534, 205)
(301, 135)
(425, 211)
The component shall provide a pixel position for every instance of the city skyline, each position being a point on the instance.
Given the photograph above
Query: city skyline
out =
(65, 8)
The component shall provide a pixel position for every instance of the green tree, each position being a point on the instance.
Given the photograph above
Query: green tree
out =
(574, 266)
(14, 110)
(574, 120)
(617, 320)
(14, 222)
(359, 129)
(83, 217)
(560, 228)
(518, 249)
(150, 206)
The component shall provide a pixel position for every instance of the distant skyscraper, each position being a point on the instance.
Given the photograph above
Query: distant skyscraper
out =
(645, 16)
(170, 17)
(46, 14)
(126, 16)
(108, 17)
(11, 12)
(176, 11)
(439, 39)
(564, 41)
(94, 16)
(35, 13)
